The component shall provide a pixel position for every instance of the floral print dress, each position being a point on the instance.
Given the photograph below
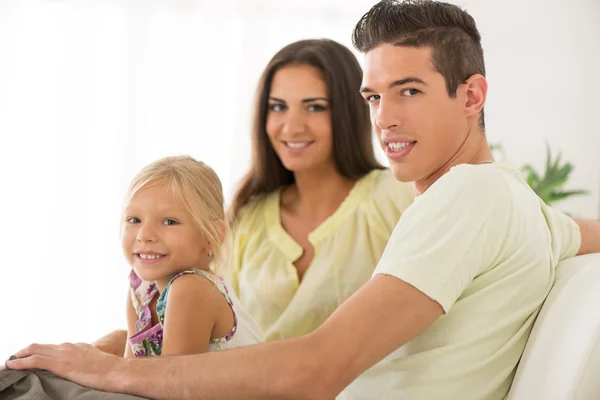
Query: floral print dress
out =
(147, 341)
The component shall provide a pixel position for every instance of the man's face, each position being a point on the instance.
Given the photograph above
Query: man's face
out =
(420, 127)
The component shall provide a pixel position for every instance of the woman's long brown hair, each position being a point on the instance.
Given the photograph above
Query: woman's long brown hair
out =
(353, 151)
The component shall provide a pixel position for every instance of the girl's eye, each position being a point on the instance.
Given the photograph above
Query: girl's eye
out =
(133, 220)
(277, 107)
(171, 222)
(410, 92)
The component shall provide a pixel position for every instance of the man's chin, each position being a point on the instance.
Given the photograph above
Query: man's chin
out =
(402, 174)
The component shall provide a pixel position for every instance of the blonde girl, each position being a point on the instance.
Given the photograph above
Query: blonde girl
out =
(172, 229)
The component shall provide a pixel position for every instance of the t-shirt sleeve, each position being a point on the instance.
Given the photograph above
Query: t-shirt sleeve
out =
(450, 234)
(566, 235)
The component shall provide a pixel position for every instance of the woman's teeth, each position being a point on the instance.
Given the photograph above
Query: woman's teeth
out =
(398, 146)
(296, 145)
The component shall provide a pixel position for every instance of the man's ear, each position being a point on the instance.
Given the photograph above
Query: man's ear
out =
(476, 92)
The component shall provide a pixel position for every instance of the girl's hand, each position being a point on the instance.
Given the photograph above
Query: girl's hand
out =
(79, 363)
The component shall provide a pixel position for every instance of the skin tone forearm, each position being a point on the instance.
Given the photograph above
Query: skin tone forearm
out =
(590, 236)
(286, 372)
(317, 366)
(113, 343)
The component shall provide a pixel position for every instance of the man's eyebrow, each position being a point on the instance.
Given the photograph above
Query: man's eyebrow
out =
(399, 82)
(410, 79)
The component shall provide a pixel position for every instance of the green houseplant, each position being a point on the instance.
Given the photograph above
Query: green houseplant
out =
(549, 184)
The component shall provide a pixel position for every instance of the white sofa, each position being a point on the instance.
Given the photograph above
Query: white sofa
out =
(562, 356)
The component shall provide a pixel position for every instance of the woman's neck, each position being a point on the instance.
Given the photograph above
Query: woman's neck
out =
(316, 195)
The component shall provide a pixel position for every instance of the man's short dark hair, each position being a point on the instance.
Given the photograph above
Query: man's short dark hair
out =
(449, 31)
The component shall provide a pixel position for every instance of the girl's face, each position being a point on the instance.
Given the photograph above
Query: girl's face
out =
(160, 238)
(299, 118)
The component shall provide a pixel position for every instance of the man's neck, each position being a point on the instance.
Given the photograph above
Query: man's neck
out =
(475, 150)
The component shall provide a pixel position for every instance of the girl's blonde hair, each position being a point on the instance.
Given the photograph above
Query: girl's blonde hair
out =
(197, 187)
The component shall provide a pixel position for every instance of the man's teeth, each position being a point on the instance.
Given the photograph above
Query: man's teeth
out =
(297, 145)
(150, 256)
(398, 146)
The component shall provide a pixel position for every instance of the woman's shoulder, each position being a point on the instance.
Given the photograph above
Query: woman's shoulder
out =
(386, 200)
(385, 188)
(252, 214)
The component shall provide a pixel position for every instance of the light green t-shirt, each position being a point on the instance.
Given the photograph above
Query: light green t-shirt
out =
(485, 247)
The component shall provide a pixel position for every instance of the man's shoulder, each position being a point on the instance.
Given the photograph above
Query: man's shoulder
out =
(471, 175)
(472, 183)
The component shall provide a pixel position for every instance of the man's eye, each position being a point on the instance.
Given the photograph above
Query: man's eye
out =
(373, 97)
(410, 92)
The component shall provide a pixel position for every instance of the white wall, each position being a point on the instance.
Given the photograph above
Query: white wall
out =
(90, 91)
(543, 59)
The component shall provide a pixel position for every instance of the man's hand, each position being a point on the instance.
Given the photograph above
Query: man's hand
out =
(80, 363)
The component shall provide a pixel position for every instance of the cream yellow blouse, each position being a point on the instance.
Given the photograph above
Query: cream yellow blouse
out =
(347, 247)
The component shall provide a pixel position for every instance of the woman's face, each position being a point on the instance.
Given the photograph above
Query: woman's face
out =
(299, 118)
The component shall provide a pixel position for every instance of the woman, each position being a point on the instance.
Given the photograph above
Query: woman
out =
(313, 214)
(315, 211)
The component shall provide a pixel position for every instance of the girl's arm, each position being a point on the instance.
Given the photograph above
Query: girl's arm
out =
(114, 343)
(196, 311)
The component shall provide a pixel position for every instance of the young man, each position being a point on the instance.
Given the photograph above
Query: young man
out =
(453, 299)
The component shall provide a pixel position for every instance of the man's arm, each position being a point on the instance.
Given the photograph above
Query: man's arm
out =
(316, 366)
(590, 236)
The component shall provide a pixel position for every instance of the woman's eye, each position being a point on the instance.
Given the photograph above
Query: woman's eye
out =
(276, 107)
(316, 108)
(372, 98)
(171, 222)
(133, 220)
(410, 92)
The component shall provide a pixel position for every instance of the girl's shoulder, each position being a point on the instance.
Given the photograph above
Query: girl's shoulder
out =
(195, 290)
(194, 284)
